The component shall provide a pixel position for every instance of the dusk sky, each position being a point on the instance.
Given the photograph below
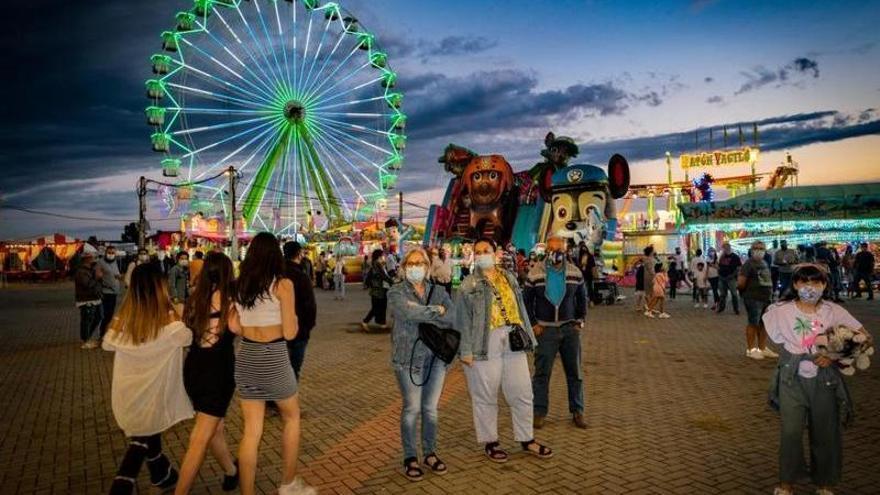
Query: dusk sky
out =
(634, 77)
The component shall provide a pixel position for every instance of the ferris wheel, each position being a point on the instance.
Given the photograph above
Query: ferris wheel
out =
(296, 95)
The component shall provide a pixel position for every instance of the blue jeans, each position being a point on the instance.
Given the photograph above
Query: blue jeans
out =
(566, 341)
(418, 400)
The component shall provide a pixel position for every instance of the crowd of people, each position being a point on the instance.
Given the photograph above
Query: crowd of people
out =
(248, 334)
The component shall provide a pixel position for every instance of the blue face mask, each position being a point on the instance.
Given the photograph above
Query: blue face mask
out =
(415, 274)
(809, 294)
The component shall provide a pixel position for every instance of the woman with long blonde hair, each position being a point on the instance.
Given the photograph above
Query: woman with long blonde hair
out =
(147, 393)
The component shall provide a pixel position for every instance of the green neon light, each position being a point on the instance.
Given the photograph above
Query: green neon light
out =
(264, 175)
(318, 175)
(827, 225)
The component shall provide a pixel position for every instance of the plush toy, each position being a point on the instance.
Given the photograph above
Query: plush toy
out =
(850, 349)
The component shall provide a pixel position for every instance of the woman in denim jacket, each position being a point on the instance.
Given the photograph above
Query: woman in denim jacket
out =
(414, 301)
(490, 302)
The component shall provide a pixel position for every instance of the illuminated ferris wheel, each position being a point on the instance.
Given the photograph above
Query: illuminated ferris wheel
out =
(296, 95)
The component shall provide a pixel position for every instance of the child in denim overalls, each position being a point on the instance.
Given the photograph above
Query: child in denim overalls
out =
(807, 388)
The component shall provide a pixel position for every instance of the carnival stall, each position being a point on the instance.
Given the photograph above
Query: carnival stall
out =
(38, 258)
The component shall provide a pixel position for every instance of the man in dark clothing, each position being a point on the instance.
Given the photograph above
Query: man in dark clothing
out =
(304, 303)
(556, 301)
(728, 269)
(863, 270)
(87, 295)
(826, 256)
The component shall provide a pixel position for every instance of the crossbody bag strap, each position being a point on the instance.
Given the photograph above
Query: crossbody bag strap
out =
(500, 302)
(412, 353)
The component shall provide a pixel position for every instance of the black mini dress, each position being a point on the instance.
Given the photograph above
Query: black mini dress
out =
(209, 373)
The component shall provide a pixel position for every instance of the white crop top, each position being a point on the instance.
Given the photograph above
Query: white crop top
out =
(266, 312)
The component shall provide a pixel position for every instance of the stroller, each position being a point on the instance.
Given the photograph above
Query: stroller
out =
(604, 291)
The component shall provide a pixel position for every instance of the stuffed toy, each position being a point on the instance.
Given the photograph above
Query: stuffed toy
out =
(850, 349)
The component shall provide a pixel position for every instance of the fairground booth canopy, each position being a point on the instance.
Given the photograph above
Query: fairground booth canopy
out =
(849, 209)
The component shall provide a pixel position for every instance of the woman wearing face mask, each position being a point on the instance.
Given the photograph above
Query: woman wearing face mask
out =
(756, 284)
(490, 315)
(141, 259)
(415, 301)
(807, 389)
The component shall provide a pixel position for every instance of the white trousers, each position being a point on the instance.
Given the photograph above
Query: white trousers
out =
(510, 371)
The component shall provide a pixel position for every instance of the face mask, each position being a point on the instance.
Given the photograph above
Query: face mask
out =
(184, 262)
(161, 256)
(809, 294)
(109, 257)
(415, 274)
(484, 261)
(556, 257)
(758, 254)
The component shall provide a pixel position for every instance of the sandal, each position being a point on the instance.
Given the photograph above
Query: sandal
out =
(437, 466)
(543, 451)
(411, 469)
(494, 453)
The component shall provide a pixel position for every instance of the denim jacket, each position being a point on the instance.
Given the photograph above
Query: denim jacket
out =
(408, 310)
(474, 311)
(786, 374)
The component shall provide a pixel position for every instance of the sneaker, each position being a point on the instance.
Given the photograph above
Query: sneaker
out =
(578, 420)
(664, 315)
(705, 306)
(297, 487)
(782, 491)
(768, 353)
(90, 344)
(649, 314)
(754, 354)
(697, 305)
(365, 328)
(230, 482)
(824, 491)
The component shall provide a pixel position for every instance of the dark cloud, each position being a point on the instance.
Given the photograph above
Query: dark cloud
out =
(507, 99)
(715, 99)
(446, 47)
(790, 74)
(776, 133)
(708, 79)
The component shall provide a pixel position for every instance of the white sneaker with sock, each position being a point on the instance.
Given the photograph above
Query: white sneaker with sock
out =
(755, 353)
(768, 353)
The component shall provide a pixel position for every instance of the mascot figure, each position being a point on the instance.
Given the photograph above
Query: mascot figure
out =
(558, 151)
(582, 201)
(487, 180)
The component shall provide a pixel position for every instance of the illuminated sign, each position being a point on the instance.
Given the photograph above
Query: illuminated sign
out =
(716, 158)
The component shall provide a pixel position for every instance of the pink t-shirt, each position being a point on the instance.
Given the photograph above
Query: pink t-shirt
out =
(660, 281)
(797, 331)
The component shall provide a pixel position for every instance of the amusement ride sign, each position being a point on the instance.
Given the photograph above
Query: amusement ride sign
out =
(716, 158)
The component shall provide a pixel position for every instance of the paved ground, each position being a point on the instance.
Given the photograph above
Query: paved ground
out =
(673, 407)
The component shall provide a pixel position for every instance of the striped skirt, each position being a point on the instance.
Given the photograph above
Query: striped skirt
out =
(263, 371)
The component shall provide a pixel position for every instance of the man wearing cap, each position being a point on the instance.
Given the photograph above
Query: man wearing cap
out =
(87, 295)
(556, 302)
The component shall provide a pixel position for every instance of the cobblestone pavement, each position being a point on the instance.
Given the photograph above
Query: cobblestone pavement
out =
(673, 405)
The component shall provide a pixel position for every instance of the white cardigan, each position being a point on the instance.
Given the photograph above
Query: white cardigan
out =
(147, 394)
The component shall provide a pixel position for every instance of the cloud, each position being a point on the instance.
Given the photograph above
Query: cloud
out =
(449, 46)
(708, 79)
(776, 133)
(487, 101)
(715, 99)
(791, 74)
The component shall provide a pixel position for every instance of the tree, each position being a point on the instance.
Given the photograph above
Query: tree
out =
(130, 233)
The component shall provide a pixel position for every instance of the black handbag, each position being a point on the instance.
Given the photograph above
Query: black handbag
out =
(442, 342)
(519, 339)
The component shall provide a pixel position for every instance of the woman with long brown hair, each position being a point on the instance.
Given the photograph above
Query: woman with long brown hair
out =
(265, 312)
(147, 393)
(209, 370)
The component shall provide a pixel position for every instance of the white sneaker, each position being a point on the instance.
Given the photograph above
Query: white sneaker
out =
(297, 487)
(696, 305)
(768, 353)
(782, 491)
(649, 314)
(90, 344)
(705, 306)
(664, 315)
(754, 354)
